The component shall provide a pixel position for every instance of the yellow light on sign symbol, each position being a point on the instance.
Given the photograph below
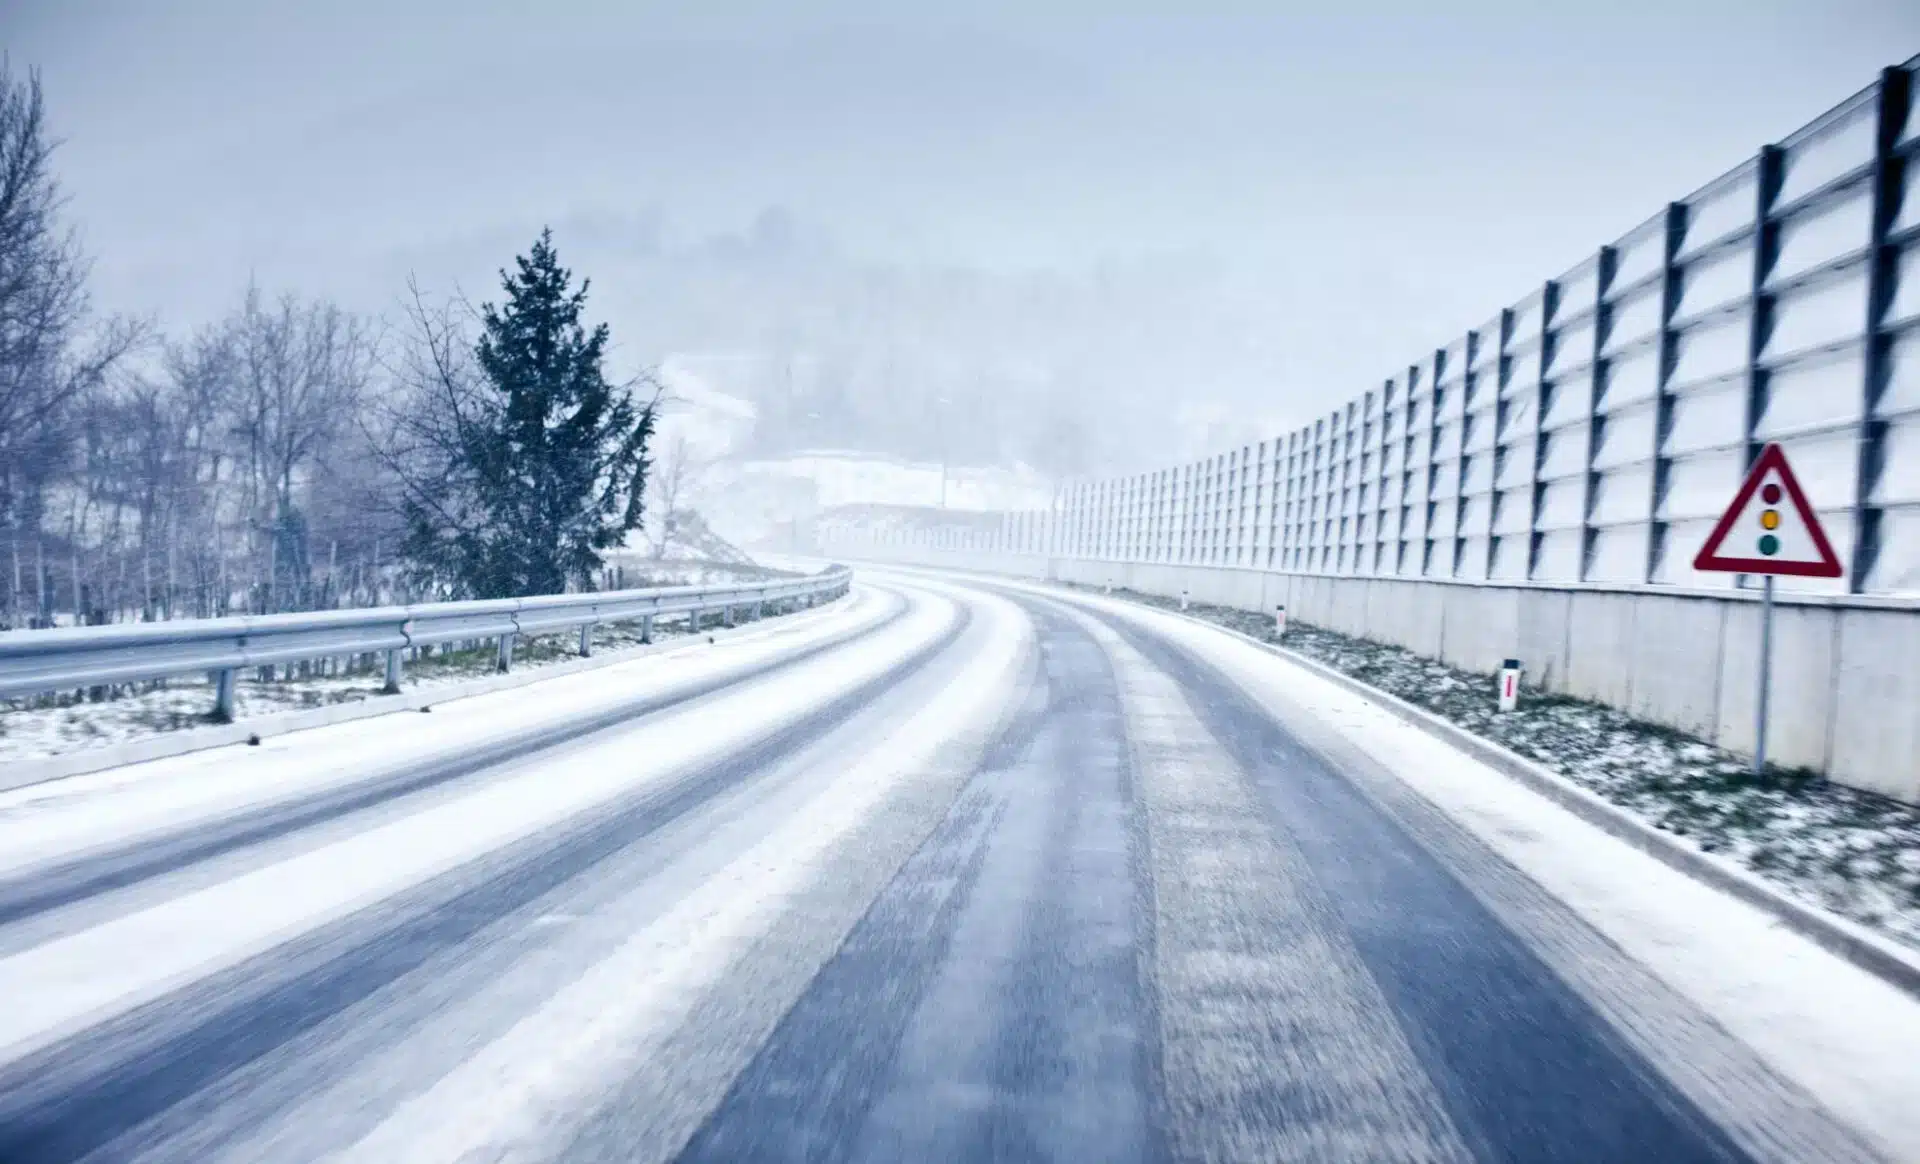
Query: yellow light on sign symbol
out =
(1770, 519)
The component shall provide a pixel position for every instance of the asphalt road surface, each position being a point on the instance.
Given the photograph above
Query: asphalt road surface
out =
(946, 872)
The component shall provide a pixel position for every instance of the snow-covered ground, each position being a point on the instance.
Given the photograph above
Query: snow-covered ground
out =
(696, 557)
(81, 975)
(712, 422)
(851, 478)
(1848, 851)
(55, 725)
(770, 501)
(765, 501)
(175, 792)
(596, 949)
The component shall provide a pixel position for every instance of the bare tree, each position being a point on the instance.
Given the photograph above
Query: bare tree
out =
(199, 384)
(303, 370)
(675, 476)
(48, 358)
(433, 406)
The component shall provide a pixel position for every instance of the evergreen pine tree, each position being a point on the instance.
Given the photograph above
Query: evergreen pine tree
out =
(550, 460)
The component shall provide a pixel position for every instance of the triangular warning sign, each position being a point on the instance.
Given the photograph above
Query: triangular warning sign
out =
(1769, 528)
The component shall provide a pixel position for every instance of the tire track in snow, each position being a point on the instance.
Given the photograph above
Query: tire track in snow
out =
(53, 887)
(678, 1011)
(1277, 1043)
(78, 1095)
(990, 1005)
(1525, 1067)
(1761, 1110)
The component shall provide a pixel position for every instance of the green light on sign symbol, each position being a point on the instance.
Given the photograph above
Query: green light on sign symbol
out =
(1769, 545)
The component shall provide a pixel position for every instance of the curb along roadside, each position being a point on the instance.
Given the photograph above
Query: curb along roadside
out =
(35, 770)
(1846, 939)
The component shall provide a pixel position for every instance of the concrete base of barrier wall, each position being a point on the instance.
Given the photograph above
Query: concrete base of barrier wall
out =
(1846, 679)
(1876, 701)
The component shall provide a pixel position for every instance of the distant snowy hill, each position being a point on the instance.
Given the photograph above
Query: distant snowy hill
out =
(776, 500)
(701, 466)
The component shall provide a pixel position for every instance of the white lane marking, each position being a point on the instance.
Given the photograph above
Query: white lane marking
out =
(54, 821)
(1843, 1036)
(84, 977)
(1263, 1001)
(521, 1095)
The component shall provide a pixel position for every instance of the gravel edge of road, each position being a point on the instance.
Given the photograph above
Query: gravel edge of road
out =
(1847, 939)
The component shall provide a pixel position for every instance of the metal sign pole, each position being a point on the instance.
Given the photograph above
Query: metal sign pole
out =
(1766, 548)
(1766, 667)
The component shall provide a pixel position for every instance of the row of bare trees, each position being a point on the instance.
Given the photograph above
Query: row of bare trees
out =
(224, 473)
(292, 455)
(141, 477)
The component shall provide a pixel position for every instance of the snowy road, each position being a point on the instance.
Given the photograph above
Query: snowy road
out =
(946, 872)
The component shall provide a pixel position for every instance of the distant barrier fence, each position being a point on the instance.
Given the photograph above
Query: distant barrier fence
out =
(71, 658)
(1539, 486)
(1591, 432)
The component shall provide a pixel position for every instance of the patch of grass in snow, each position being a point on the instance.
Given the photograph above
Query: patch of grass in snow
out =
(1849, 851)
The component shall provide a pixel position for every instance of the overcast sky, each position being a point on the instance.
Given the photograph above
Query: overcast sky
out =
(1378, 176)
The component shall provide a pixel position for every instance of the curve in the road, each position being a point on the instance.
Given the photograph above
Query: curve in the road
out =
(1035, 881)
(89, 1090)
(49, 888)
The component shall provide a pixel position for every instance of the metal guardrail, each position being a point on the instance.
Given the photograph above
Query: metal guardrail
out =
(66, 658)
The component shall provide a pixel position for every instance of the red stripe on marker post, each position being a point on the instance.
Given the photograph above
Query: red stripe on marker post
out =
(1509, 689)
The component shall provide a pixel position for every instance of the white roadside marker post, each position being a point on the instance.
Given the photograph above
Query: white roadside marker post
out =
(1183, 600)
(1279, 621)
(1509, 685)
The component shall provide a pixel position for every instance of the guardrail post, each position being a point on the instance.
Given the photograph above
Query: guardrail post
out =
(646, 628)
(759, 608)
(505, 660)
(726, 615)
(223, 695)
(394, 660)
(586, 640)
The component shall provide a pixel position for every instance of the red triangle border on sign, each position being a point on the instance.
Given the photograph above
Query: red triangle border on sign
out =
(1709, 559)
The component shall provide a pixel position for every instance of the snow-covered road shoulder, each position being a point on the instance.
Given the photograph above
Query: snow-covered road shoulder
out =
(61, 819)
(54, 736)
(79, 979)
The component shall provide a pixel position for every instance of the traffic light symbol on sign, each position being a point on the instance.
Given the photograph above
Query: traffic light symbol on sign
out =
(1788, 538)
(1770, 519)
